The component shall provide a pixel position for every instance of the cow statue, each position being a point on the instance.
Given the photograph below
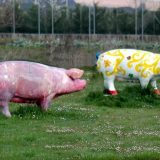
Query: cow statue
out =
(30, 82)
(129, 63)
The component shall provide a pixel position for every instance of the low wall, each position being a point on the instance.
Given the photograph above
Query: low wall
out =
(146, 38)
(67, 55)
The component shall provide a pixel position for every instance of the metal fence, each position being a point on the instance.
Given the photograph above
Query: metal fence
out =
(146, 13)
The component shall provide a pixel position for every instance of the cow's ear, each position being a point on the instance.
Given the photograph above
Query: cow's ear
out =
(75, 73)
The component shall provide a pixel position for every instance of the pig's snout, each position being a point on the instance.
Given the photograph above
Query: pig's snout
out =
(80, 84)
(75, 73)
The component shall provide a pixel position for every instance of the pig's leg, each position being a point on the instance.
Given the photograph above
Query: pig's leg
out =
(44, 102)
(154, 85)
(5, 109)
(109, 85)
(5, 96)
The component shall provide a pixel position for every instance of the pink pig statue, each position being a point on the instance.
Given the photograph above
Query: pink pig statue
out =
(30, 82)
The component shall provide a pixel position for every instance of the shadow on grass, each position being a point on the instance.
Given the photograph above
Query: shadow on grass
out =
(33, 112)
(130, 97)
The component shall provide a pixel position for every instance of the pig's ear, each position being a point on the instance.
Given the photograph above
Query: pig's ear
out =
(74, 73)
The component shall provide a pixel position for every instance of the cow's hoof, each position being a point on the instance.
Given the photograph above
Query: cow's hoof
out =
(156, 91)
(109, 92)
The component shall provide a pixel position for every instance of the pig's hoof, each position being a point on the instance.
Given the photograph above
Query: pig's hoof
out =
(44, 109)
(109, 92)
(156, 91)
(7, 114)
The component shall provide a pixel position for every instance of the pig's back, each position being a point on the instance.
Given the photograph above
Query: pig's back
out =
(24, 68)
(30, 80)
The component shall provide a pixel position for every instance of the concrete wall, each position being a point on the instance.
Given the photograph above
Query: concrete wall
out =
(146, 38)
(68, 55)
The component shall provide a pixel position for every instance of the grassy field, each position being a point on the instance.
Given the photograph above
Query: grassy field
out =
(86, 126)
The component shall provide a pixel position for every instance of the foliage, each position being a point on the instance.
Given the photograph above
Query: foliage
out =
(76, 20)
(24, 43)
(102, 45)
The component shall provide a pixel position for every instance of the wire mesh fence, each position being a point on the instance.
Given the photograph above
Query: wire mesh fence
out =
(80, 17)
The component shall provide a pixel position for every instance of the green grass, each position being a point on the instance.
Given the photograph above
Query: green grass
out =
(86, 126)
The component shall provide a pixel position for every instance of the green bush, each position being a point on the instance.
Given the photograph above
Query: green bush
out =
(24, 43)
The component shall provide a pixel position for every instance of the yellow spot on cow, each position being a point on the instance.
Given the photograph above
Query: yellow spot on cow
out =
(107, 63)
(136, 57)
(144, 63)
(119, 58)
(121, 70)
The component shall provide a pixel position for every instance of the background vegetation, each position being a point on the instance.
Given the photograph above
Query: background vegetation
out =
(76, 20)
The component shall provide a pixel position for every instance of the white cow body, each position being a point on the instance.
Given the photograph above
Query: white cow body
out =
(129, 63)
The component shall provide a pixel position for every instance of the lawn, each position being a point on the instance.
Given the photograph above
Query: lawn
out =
(86, 126)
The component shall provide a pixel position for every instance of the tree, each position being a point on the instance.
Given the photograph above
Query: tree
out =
(125, 22)
(5, 16)
(102, 20)
(32, 19)
(19, 18)
(80, 19)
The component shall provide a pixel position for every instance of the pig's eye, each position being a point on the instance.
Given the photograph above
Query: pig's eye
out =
(71, 78)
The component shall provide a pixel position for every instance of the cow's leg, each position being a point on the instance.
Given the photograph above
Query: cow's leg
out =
(144, 82)
(44, 102)
(109, 85)
(154, 85)
(5, 109)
